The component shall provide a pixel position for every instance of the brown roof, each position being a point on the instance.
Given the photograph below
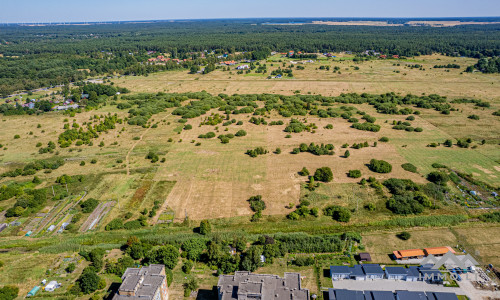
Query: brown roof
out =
(438, 250)
(365, 256)
(410, 253)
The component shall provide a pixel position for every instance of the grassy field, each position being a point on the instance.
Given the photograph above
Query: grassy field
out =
(379, 76)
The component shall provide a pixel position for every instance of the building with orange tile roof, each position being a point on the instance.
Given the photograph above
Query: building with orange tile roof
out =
(409, 254)
(436, 251)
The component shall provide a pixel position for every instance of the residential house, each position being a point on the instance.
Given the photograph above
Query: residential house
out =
(373, 271)
(340, 272)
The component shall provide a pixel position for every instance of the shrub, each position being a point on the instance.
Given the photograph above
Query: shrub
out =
(114, 224)
(384, 139)
(304, 172)
(255, 152)
(89, 205)
(205, 227)
(240, 133)
(410, 118)
(370, 207)
(438, 177)
(338, 213)
(380, 166)
(277, 151)
(404, 235)
(82, 163)
(70, 268)
(187, 266)
(93, 161)
(439, 166)
(347, 154)
(17, 136)
(473, 117)
(409, 167)
(404, 204)
(354, 173)
(207, 135)
(152, 156)
(324, 174)
(188, 127)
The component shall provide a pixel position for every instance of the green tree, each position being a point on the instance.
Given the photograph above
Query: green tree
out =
(324, 174)
(347, 154)
(304, 172)
(205, 227)
(88, 281)
(165, 255)
(9, 292)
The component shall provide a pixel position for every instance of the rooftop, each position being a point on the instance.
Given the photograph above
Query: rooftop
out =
(243, 285)
(141, 283)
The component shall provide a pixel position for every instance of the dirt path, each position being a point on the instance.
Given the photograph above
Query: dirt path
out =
(127, 158)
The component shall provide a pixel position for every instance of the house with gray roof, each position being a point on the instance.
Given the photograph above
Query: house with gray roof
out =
(146, 283)
(245, 285)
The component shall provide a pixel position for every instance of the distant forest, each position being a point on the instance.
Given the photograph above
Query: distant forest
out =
(49, 55)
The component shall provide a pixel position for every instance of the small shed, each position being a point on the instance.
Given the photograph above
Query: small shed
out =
(51, 228)
(51, 286)
(365, 256)
(28, 233)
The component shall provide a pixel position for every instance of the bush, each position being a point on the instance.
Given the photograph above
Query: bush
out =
(70, 268)
(205, 227)
(187, 266)
(304, 172)
(207, 135)
(338, 213)
(93, 161)
(89, 205)
(380, 166)
(9, 292)
(240, 133)
(152, 156)
(324, 174)
(114, 224)
(409, 167)
(384, 139)
(404, 204)
(473, 117)
(370, 207)
(17, 136)
(404, 235)
(438, 177)
(354, 173)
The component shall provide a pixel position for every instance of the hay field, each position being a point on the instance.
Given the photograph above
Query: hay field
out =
(378, 76)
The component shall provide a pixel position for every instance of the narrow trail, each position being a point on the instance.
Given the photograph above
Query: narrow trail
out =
(127, 158)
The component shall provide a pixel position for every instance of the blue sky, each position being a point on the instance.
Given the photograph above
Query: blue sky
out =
(120, 10)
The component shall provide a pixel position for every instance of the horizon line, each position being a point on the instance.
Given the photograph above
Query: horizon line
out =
(248, 18)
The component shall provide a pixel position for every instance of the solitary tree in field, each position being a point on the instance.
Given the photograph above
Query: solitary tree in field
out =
(347, 154)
